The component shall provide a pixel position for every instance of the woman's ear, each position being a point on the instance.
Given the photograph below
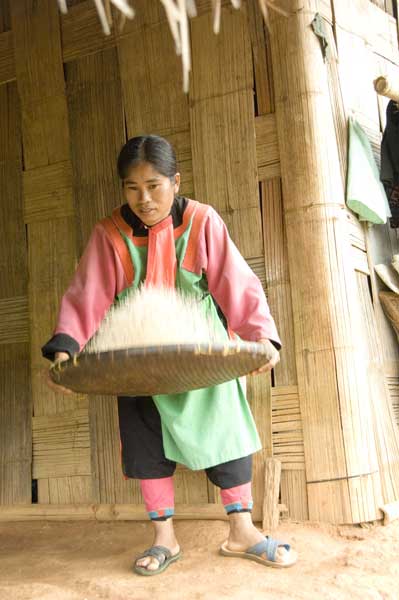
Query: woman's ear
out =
(177, 183)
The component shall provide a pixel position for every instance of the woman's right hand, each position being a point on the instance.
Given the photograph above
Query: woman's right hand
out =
(59, 357)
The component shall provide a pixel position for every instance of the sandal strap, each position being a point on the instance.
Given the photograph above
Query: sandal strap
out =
(268, 546)
(161, 553)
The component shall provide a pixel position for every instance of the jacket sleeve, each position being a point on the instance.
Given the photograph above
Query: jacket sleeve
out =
(233, 284)
(98, 279)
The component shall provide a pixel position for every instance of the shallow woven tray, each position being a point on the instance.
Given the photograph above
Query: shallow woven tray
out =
(147, 371)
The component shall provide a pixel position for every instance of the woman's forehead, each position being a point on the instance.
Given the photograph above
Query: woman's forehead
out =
(143, 171)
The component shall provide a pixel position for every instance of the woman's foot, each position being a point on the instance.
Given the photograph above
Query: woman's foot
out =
(164, 535)
(243, 535)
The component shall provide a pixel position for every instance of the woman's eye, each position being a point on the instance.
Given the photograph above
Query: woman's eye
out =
(153, 186)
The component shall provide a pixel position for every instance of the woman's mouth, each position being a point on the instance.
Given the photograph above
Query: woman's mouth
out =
(145, 210)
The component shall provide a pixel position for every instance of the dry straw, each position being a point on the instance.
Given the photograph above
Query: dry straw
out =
(178, 13)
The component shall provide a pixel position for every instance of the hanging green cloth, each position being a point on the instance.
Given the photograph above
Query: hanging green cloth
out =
(365, 194)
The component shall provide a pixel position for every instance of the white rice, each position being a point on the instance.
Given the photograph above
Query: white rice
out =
(152, 317)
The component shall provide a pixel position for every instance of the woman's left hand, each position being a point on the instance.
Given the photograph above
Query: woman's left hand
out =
(275, 357)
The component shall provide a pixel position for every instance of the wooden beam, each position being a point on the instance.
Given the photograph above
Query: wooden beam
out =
(106, 512)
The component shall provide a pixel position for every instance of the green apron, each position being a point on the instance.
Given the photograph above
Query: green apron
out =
(209, 426)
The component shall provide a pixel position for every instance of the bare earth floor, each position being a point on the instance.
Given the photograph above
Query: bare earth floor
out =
(92, 560)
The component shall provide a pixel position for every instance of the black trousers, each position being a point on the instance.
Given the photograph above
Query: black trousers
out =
(143, 456)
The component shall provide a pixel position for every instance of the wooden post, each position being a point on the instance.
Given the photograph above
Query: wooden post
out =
(341, 433)
(271, 510)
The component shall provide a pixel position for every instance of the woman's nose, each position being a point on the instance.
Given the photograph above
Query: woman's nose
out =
(144, 196)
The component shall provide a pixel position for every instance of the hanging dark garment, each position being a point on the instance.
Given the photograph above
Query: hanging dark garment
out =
(390, 161)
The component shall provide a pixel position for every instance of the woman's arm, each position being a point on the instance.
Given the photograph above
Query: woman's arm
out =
(234, 285)
(97, 280)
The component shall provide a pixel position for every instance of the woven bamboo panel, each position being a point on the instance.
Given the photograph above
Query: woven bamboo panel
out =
(51, 275)
(52, 243)
(365, 20)
(393, 386)
(5, 16)
(205, 6)
(15, 404)
(288, 447)
(278, 279)
(257, 264)
(61, 445)
(357, 70)
(14, 323)
(65, 491)
(7, 60)
(222, 127)
(93, 90)
(356, 231)
(287, 428)
(81, 32)
(15, 419)
(227, 179)
(360, 261)
(40, 83)
(263, 75)
(349, 500)
(48, 192)
(151, 72)
(191, 487)
(31, 22)
(386, 432)
(13, 260)
(294, 494)
(181, 141)
(267, 152)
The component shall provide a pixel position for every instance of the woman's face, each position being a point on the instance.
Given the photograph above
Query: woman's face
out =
(149, 194)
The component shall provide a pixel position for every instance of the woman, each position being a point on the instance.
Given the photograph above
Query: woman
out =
(172, 241)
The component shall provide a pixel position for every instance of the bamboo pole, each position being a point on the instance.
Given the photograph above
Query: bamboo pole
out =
(386, 87)
(341, 454)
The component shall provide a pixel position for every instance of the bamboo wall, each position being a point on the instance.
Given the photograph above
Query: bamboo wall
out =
(69, 98)
(345, 352)
(75, 97)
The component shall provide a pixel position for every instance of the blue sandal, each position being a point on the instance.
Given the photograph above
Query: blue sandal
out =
(163, 556)
(267, 546)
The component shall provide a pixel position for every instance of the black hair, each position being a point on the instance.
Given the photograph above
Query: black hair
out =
(148, 148)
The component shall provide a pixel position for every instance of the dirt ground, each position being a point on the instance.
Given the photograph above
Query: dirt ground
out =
(92, 560)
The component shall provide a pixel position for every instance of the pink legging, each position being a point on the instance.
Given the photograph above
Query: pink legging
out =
(159, 497)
